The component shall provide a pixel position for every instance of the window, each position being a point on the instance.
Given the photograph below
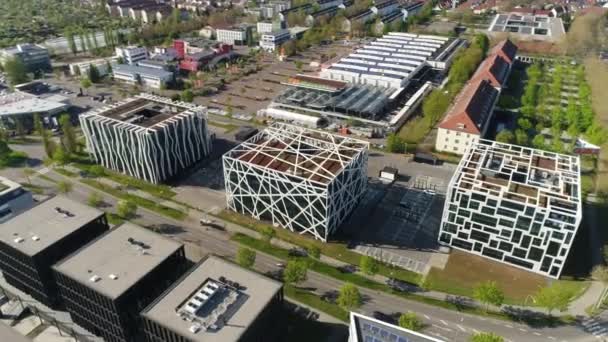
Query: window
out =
(456, 141)
(457, 133)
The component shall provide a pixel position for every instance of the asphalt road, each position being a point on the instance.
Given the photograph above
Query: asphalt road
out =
(441, 323)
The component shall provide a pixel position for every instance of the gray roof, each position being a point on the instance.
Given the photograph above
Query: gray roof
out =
(113, 254)
(44, 222)
(143, 71)
(370, 329)
(9, 334)
(256, 290)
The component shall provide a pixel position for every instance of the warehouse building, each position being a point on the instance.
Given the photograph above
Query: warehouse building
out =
(393, 60)
(216, 301)
(33, 241)
(107, 283)
(303, 180)
(513, 204)
(147, 137)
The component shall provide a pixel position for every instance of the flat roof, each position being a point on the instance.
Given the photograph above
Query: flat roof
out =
(528, 24)
(46, 223)
(7, 185)
(254, 294)
(314, 155)
(128, 251)
(141, 70)
(145, 111)
(522, 175)
(371, 329)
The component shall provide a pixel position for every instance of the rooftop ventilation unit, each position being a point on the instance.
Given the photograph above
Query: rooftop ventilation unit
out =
(64, 212)
(18, 240)
(113, 276)
(95, 279)
(35, 238)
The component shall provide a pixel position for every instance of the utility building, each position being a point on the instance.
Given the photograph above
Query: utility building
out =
(217, 301)
(107, 283)
(147, 137)
(514, 204)
(33, 241)
(304, 180)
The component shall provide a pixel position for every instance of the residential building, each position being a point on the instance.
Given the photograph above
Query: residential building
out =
(265, 27)
(82, 68)
(31, 242)
(469, 117)
(515, 205)
(107, 283)
(303, 180)
(272, 41)
(34, 57)
(131, 54)
(216, 301)
(237, 35)
(366, 329)
(391, 61)
(528, 26)
(148, 77)
(147, 137)
(14, 199)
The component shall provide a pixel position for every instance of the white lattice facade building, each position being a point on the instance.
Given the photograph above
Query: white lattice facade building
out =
(514, 204)
(304, 180)
(147, 136)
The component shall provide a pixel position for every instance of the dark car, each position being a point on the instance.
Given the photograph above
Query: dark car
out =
(391, 319)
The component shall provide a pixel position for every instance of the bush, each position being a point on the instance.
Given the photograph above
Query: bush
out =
(126, 209)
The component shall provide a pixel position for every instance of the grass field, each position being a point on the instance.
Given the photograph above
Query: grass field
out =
(464, 271)
(597, 74)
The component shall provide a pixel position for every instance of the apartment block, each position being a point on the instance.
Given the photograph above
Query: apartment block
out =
(515, 205)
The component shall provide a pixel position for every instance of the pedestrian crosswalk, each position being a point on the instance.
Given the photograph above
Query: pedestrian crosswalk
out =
(597, 328)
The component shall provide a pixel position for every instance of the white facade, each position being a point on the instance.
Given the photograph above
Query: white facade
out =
(303, 180)
(264, 27)
(148, 77)
(82, 68)
(272, 41)
(131, 54)
(515, 205)
(150, 147)
(14, 199)
(235, 36)
(367, 329)
(452, 141)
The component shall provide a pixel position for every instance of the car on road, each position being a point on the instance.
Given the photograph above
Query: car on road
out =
(280, 265)
(388, 318)
(430, 192)
(399, 285)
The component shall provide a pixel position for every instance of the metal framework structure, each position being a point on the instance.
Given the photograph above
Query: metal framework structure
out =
(304, 180)
(147, 137)
(514, 204)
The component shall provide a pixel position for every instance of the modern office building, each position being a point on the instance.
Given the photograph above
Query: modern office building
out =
(272, 41)
(148, 77)
(393, 60)
(514, 204)
(30, 243)
(265, 27)
(82, 68)
(216, 301)
(367, 329)
(469, 117)
(147, 137)
(14, 199)
(34, 57)
(107, 283)
(527, 26)
(131, 54)
(237, 35)
(304, 180)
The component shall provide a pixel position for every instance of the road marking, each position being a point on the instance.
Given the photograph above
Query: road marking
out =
(523, 330)
(509, 326)
(44, 170)
(442, 328)
(460, 327)
(537, 334)
(444, 322)
(427, 317)
(552, 338)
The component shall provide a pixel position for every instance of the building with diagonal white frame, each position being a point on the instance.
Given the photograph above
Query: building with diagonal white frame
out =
(304, 180)
(147, 136)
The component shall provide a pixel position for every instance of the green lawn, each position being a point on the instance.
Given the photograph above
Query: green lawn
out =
(335, 250)
(316, 302)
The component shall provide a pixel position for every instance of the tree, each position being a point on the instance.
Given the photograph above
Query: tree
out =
(489, 293)
(97, 170)
(94, 199)
(245, 257)
(65, 187)
(395, 143)
(554, 297)
(410, 321)
(539, 142)
(27, 173)
(69, 36)
(19, 129)
(600, 273)
(69, 135)
(187, 95)
(369, 265)
(349, 297)
(126, 209)
(486, 337)
(521, 137)
(505, 136)
(109, 68)
(289, 48)
(295, 271)
(93, 74)
(61, 156)
(85, 83)
(15, 70)
(313, 251)
(299, 65)
(267, 234)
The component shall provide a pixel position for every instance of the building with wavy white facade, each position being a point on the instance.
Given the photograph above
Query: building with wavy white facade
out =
(304, 180)
(147, 136)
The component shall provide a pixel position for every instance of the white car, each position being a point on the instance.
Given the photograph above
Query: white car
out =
(430, 192)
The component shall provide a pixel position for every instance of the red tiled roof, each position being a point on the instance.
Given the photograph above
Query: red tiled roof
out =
(472, 108)
(506, 49)
(494, 69)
